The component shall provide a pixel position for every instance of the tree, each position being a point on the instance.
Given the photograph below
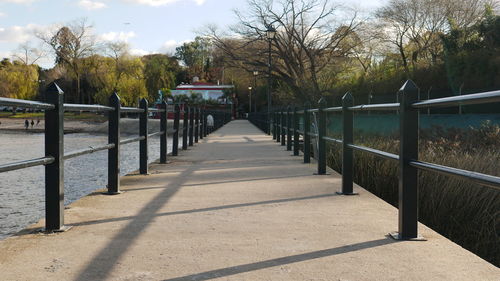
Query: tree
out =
(159, 73)
(310, 37)
(27, 54)
(71, 44)
(18, 80)
(196, 57)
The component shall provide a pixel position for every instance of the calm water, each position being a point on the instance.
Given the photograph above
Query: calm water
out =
(22, 192)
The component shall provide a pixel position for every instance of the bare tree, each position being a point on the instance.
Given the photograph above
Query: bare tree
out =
(27, 54)
(414, 26)
(311, 34)
(71, 44)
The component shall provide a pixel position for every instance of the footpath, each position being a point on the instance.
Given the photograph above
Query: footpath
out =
(236, 206)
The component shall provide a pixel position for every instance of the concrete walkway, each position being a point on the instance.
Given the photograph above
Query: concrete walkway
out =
(234, 207)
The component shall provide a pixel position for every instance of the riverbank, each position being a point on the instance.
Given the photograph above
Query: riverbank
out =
(127, 125)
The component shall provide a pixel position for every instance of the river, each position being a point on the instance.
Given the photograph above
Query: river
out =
(22, 191)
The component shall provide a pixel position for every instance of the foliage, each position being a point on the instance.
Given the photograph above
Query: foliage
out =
(18, 80)
(196, 56)
(159, 73)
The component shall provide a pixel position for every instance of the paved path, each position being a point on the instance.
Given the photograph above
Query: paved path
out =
(234, 207)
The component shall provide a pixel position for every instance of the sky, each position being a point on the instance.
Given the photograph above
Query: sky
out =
(149, 26)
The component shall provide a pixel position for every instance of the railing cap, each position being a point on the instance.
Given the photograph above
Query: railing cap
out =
(348, 97)
(54, 88)
(408, 86)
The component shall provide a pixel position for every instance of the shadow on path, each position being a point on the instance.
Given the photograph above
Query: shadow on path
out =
(224, 272)
(232, 206)
(104, 261)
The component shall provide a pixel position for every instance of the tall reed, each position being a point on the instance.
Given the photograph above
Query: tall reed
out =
(466, 213)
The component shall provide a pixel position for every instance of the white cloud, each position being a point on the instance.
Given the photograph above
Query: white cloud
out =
(5, 55)
(169, 46)
(117, 36)
(19, 34)
(91, 5)
(139, 52)
(156, 3)
(2, 14)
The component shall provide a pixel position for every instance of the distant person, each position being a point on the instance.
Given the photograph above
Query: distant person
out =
(37, 121)
(32, 123)
(210, 123)
(26, 124)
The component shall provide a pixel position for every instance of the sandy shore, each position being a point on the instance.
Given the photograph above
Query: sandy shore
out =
(128, 126)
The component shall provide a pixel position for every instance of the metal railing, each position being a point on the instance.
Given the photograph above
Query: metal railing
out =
(54, 141)
(285, 124)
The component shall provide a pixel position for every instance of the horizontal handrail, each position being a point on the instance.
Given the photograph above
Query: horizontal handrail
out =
(486, 97)
(26, 164)
(25, 103)
(156, 134)
(373, 151)
(131, 110)
(87, 107)
(480, 178)
(380, 106)
(332, 139)
(88, 151)
(333, 109)
(153, 109)
(131, 140)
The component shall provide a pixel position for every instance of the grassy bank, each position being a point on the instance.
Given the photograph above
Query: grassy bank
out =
(466, 213)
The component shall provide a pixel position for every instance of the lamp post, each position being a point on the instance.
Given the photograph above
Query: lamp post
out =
(255, 73)
(270, 33)
(249, 99)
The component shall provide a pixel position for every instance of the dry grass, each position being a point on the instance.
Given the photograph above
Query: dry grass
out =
(466, 213)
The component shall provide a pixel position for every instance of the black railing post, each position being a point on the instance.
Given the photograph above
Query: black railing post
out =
(205, 125)
(278, 125)
(202, 123)
(347, 139)
(273, 123)
(296, 134)
(143, 132)
(321, 140)
(175, 137)
(307, 137)
(163, 138)
(196, 124)
(283, 125)
(191, 125)
(408, 151)
(54, 147)
(185, 129)
(114, 153)
(289, 128)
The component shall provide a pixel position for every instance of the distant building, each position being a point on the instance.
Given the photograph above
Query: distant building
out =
(208, 91)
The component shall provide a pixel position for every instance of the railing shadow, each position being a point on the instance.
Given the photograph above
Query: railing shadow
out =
(233, 270)
(104, 261)
(209, 209)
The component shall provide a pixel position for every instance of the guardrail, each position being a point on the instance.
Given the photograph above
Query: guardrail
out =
(285, 129)
(198, 128)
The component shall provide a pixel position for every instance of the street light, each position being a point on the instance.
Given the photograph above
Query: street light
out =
(270, 33)
(249, 99)
(255, 74)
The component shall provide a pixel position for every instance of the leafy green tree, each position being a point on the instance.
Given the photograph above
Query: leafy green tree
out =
(196, 56)
(18, 80)
(159, 73)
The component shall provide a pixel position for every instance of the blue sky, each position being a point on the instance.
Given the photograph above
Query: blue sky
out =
(149, 26)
